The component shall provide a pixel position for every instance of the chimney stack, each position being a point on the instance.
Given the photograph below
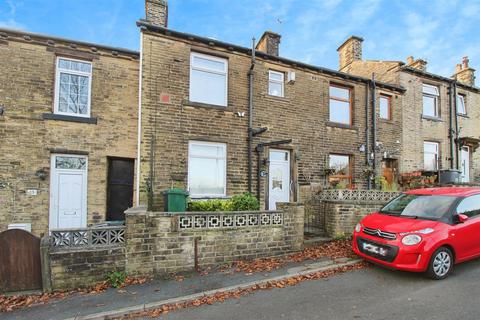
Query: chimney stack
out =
(349, 51)
(464, 74)
(269, 43)
(418, 64)
(156, 12)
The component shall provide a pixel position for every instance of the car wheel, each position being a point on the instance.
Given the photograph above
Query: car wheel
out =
(441, 264)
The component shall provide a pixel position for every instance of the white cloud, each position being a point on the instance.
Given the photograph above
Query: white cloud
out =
(8, 16)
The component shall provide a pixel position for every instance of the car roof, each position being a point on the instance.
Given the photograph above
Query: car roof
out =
(447, 191)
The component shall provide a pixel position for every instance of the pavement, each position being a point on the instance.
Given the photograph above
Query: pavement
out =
(373, 293)
(157, 292)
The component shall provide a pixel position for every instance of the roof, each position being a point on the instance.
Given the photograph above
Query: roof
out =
(438, 77)
(26, 35)
(447, 191)
(230, 46)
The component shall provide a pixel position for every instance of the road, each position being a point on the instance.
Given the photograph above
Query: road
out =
(372, 293)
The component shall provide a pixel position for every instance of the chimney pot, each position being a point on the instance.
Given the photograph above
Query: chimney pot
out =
(465, 62)
(349, 51)
(410, 60)
(269, 43)
(156, 12)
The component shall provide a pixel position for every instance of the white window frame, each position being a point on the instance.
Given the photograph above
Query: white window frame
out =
(59, 70)
(202, 69)
(205, 143)
(437, 154)
(281, 82)
(436, 99)
(462, 98)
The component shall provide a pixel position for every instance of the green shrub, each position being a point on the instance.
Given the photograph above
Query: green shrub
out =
(245, 202)
(116, 278)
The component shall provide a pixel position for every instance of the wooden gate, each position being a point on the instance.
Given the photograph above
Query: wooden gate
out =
(20, 266)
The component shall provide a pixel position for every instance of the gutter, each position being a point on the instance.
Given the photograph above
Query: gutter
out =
(261, 54)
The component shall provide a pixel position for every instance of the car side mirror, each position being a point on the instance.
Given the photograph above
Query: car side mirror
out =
(461, 218)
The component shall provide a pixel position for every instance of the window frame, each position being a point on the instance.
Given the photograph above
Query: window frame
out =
(437, 162)
(341, 176)
(194, 54)
(462, 97)
(207, 143)
(58, 71)
(281, 82)
(349, 100)
(435, 97)
(389, 106)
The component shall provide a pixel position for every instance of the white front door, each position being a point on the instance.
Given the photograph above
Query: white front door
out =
(68, 192)
(278, 178)
(465, 164)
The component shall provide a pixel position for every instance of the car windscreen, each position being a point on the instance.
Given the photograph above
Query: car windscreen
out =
(419, 206)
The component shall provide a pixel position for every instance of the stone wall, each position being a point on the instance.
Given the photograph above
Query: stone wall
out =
(159, 243)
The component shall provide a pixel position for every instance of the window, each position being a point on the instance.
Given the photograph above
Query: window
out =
(430, 100)
(461, 107)
(423, 207)
(340, 105)
(275, 83)
(385, 107)
(340, 169)
(206, 169)
(208, 79)
(469, 206)
(430, 156)
(72, 87)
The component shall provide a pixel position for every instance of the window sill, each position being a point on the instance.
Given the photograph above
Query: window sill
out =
(269, 96)
(435, 119)
(187, 103)
(340, 125)
(385, 120)
(61, 117)
(463, 115)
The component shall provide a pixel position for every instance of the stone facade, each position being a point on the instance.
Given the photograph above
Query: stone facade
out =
(170, 120)
(30, 136)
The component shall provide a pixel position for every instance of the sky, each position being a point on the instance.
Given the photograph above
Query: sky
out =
(439, 31)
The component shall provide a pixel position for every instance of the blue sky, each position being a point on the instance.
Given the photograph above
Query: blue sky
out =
(440, 31)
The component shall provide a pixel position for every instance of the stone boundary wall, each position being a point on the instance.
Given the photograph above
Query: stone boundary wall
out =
(157, 243)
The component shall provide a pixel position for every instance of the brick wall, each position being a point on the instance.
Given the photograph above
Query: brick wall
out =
(156, 245)
(28, 140)
(301, 115)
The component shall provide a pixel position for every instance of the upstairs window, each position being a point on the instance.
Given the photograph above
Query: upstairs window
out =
(72, 87)
(207, 169)
(340, 170)
(430, 156)
(430, 100)
(275, 83)
(340, 105)
(208, 79)
(385, 107)
(461, 107)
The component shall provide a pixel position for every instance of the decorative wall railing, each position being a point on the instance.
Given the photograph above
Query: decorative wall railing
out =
(94, 237)
(356, 195)
(228, 220)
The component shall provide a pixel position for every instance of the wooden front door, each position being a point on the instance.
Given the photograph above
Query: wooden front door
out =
(120, 187)
(389, 170)
(20, 267)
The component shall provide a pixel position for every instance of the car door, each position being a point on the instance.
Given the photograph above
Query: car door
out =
(466, 235)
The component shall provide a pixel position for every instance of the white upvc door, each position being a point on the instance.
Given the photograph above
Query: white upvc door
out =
(278, 178)
(68, 191)
(465, 164)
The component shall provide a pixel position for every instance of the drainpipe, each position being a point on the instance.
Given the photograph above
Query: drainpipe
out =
(139, 124)
(450, 126)
(456, 124)
(374, 130)
(367, 135)
(250, 117)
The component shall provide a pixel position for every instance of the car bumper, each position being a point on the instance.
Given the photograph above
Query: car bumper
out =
(400, 257)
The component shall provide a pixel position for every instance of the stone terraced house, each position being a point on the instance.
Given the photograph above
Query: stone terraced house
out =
(440, 115)
(89, 130)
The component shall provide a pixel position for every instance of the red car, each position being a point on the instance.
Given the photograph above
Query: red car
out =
(425, 230)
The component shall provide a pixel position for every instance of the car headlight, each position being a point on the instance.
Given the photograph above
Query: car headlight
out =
(358, 227)
(411, 239)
